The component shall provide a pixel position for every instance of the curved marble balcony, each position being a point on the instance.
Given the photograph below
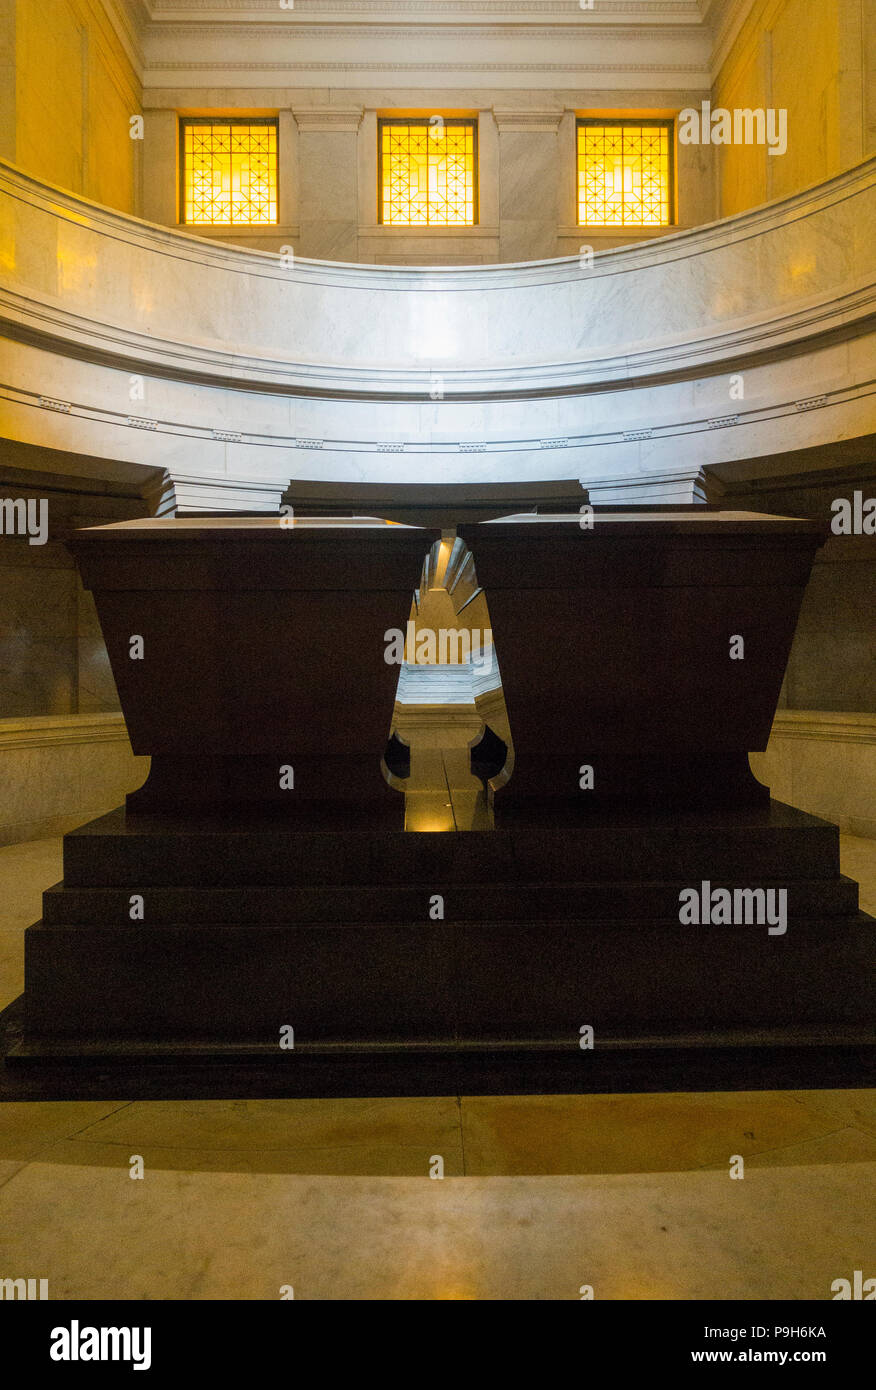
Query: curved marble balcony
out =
(230, 369)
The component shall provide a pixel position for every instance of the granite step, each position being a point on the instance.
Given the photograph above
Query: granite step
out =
(280, 905)
(772, 843)
(456, 979)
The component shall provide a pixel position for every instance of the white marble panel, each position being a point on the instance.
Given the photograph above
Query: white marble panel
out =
(63, 768)
(824, 764)
(372, 345)
(113, 270)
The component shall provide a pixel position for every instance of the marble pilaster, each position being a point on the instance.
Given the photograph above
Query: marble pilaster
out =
(328, 163)
(528, 183)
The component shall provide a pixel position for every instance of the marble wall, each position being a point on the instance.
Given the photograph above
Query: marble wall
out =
(67, 93)
(65, 755)
(233, 371)
(824, 764)
(832, 666)
(816, 60)
(52, 656)
(58, 771)
(69, 87)
(527, 157)
(833, 659)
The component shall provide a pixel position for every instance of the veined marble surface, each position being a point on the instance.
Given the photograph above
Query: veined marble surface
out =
(233, 372)
(88, 269)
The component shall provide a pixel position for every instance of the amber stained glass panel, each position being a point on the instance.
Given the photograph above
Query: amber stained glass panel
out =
(624, 173)
(229, 172)
(428, 173)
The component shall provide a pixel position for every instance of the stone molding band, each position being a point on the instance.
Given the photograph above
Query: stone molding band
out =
(59, 203)
(52, 329)
(47, 730)
(825, 726)
(429, 449)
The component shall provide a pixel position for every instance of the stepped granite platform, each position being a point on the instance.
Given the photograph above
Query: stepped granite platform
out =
(230, 903)
(251, 928)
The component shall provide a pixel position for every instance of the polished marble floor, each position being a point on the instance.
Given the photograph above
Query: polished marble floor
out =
(630, 1194)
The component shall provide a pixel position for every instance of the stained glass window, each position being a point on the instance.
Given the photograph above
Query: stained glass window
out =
(228, 171)
(428, 172)
(625, 173)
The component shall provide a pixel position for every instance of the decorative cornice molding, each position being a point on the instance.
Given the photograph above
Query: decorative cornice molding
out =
(53, 329)
(425, 689)
(687, 485)
(426, 65)
(313, 118)
(548, 120)
(726, 31)
(824, 726)
(275, 25)
(127, 22)
(180, 493)
(148, 30)
(421, 449)
(43, 731)
(165, 12)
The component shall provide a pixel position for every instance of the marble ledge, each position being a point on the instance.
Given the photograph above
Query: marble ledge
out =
(428, 687)
(41, 731)
(630, 235)
(546, 121)
(569, 367)
(65, 206)
(330, 118)
(825, 725)
(222, 231)
(454, 233)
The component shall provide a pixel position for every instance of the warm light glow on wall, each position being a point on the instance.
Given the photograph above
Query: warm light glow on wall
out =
(428, 173)
(624, 173)
(229, 172)
(427, 819)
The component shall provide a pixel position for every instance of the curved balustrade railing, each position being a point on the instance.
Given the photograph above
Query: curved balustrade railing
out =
(623, 361)
(96, 283)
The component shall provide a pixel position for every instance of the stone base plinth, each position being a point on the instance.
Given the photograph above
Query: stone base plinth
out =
(483, 954)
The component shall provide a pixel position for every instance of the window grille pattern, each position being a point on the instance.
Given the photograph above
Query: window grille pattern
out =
(624, 173)
(428, 173)
(229, 171)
